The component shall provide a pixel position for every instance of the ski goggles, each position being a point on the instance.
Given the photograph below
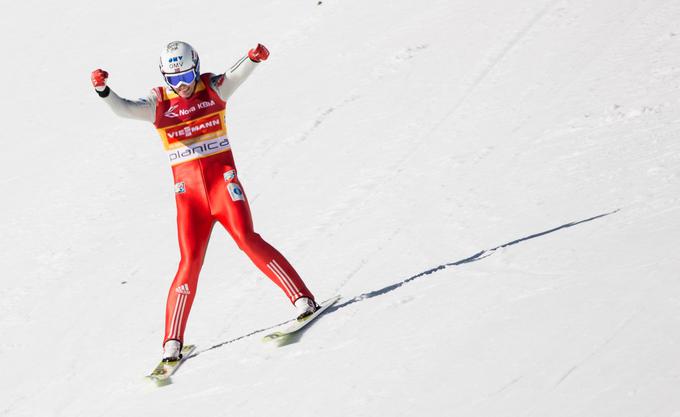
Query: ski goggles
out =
(175, 80)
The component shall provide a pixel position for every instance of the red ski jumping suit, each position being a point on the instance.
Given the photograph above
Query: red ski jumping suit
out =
(207, 189)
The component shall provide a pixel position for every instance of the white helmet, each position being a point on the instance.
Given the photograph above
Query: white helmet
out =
(179, 57)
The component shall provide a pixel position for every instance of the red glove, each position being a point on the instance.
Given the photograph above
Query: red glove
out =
(260, 53)
(98, 78)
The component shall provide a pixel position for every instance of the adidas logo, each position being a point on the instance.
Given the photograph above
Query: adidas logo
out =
(183, 289)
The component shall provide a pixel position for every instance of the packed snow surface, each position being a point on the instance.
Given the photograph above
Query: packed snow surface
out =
(492, 186)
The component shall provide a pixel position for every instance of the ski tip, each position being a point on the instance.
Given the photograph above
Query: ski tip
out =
(330, 301)
(159, 382)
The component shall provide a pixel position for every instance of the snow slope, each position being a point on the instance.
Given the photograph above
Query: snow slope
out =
(492, 186)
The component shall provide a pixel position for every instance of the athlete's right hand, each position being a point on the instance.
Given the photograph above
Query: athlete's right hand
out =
(98, 79)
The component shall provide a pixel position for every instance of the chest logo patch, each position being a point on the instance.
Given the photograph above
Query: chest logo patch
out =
(172, 112)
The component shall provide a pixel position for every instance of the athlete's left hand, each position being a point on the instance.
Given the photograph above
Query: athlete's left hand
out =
(98, 79)
(259, 53)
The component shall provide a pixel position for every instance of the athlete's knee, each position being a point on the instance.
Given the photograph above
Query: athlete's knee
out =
(191, 261)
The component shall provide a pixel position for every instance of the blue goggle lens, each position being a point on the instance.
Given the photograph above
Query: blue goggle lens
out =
(177, 79)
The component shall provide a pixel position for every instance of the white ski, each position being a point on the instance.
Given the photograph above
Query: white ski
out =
(299, 324)
(164, 370)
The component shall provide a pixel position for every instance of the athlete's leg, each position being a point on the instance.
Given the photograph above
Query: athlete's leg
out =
(230, 206)
(194, 224)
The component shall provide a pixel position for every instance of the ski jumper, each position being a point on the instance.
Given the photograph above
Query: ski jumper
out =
(207, 190)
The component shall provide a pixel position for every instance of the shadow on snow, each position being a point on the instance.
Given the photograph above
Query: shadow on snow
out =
(382, 291)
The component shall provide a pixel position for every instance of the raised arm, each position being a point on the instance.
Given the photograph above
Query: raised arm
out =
(225, 84)
(141, 109)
